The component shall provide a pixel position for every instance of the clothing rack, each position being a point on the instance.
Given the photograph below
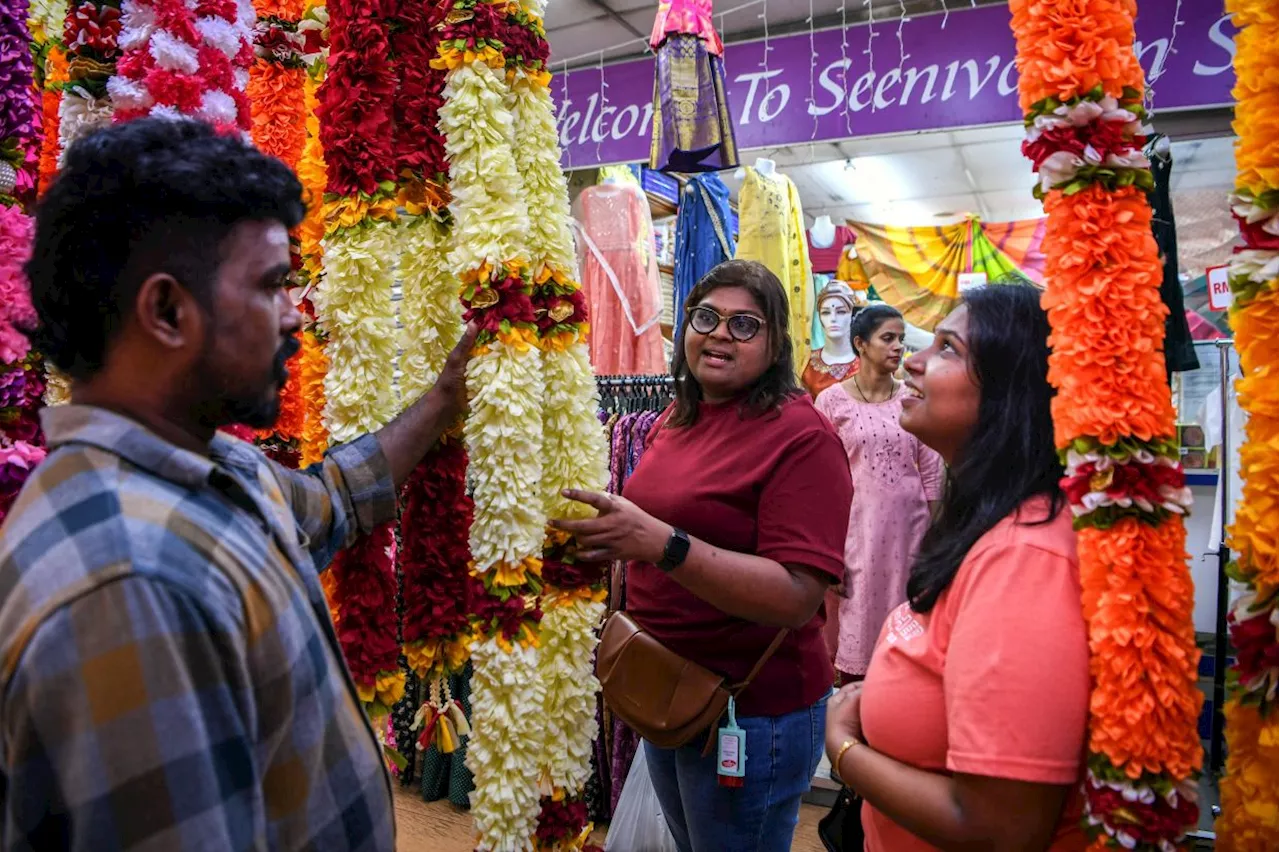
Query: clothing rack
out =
(633, 394)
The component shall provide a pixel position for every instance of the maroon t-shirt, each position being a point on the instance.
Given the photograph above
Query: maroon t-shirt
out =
(775, 486)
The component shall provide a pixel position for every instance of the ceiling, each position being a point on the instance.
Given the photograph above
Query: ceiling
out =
(935, 177)
(585, 32)
(944, 176)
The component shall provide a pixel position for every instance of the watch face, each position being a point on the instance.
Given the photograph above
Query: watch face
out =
(676, 551)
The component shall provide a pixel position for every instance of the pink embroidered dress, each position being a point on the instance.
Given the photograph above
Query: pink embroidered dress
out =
(620, 280)
(894, 479)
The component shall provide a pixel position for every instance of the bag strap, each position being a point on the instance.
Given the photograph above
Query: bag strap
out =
(737, 688)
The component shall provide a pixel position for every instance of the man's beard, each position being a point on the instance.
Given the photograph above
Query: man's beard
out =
(262, 411)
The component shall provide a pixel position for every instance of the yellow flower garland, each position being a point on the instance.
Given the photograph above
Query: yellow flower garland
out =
(429, 309)
(355, 306)
(504, 439)
(1250, 818)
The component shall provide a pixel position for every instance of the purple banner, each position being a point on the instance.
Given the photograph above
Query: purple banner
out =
(951, 71)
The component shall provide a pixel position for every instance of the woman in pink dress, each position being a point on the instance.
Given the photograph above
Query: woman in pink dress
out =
(895, 479)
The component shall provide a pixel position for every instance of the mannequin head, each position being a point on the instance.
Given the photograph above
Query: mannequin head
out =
(835, 310)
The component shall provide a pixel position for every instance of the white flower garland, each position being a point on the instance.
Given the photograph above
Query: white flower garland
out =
(503, 755)
(78, 114)
(46, 19)
(575, 453)
(545, 186)
(491, 220)
(429, 310)
(504, 439)
(569, 711)
(355, 307)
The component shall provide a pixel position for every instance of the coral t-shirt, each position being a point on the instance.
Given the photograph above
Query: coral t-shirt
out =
(775, 486)
(994, 681)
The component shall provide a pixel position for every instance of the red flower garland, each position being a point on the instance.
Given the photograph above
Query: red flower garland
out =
(356, 98)
(190, 61)
(364, 592)
(434, 521)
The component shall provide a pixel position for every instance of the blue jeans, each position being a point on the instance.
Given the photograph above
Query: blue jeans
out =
(760, 816)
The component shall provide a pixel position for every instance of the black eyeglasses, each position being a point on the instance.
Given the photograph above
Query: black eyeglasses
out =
(742, 327)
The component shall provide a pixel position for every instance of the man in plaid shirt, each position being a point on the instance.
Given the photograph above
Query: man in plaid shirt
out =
(171, 679)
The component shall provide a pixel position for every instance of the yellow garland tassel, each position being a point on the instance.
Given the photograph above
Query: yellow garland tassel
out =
(1250, 818)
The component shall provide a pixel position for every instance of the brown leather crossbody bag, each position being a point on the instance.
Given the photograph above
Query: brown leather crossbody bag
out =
(663, 697)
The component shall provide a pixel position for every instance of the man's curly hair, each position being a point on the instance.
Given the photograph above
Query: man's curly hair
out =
(136, 199)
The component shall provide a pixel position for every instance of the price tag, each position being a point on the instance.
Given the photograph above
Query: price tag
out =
(1219, 288)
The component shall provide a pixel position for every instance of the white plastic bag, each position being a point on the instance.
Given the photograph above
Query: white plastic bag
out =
(638, 824)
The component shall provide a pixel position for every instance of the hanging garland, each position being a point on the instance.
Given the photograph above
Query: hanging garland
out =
(1249, 818)
(574, 451)
(1080, 87)
(21, 370)
(353, 303)
(55, 78)
(504, 429)
(277, 81)
(184, 60)
(91, 34)
(436, 514)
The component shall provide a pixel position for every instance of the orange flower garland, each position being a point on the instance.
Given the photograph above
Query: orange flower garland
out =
(1081, 89)
(55, 75)
(314, 439)
(1249, 818)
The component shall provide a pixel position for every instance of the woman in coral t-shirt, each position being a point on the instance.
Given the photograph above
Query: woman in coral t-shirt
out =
(969, 731)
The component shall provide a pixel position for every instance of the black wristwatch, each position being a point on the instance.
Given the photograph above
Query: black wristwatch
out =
(676, 551)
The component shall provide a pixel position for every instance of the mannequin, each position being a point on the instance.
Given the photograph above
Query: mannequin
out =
(836, 360)
(766, 167)
(823, 232)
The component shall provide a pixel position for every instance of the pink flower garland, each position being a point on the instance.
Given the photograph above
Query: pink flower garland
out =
(185, 59)
(16, 312)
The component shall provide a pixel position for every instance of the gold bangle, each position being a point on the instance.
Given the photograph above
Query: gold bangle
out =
(848, 744)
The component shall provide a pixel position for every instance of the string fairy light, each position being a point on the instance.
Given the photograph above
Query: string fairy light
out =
(903, 56)
(871, 37)
(1157, 71)
(604, 101)
(813, 89)
(845, 62)
(565, 102)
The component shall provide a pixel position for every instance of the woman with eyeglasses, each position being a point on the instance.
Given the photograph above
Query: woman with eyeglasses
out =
(897, 479)
(733, 526)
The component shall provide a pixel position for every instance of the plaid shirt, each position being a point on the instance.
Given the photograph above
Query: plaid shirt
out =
(170, 676)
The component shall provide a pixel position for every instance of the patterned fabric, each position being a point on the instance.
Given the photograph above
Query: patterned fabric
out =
(689, 17)
(692, 128)
(771, 231)
(917, 269)
(703, 239)
(620, 281)
(171, 679)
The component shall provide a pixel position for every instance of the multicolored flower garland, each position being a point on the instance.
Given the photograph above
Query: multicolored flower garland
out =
(21, 370)
(574, 451)
(353, 304)
(91, 34)
(20, 126)
(436, 510)
(504, 428)
(1249, 818)
(1080, 86)
(185, 60)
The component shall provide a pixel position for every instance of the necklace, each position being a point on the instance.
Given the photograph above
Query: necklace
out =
(892, 390)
